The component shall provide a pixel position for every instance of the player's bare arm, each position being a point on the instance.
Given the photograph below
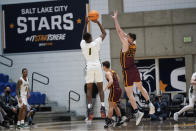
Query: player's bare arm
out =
(19, 83)
(122, 35)
(85, 25)
(117, 25)
(28, 92)
(110, 80)
(193, 81)
(102, 29)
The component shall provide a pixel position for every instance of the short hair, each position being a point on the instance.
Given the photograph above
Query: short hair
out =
(133, 36)
(24, 69)
(6, 86)
(106, 64)
(86, 36)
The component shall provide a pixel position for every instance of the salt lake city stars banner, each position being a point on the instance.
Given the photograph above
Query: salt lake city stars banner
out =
(43, 26)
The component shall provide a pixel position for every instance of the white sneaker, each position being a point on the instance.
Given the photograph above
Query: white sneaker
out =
(176, 116)
(124, 118)
(138, 117)
(152, 109)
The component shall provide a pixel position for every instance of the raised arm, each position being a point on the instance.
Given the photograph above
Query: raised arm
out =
(121, 33)
(85, 25)
(102, 29)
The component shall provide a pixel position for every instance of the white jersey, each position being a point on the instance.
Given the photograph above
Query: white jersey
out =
(194, 78)
(91, 52)
(24, 87)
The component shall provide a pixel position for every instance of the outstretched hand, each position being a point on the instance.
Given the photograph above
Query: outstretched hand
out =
(115, 15)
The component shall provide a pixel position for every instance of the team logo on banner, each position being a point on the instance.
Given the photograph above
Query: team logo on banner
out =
(147, 74)
(43, 26)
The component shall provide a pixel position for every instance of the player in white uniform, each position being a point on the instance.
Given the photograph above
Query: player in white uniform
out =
(90, 50)
(22, 93)
(192, 98)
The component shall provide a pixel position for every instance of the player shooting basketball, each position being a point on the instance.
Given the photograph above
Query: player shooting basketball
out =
(90, 50)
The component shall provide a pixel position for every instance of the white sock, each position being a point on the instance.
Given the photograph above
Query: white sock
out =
(89, 105)
(18, 123)
(22, 121)
(102, 104)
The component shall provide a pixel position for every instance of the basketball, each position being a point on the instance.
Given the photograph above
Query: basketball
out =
(93, 15)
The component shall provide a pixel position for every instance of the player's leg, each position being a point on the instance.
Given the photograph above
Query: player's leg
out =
(89, 80)
(19, 117)
(101, 94)
(99, 80)
(23, 114)
(108, 120)
(111, 109)
(129, 92)
(146, 96)
(89, 94)
(89, 100)
(188, 107)
(138, 114)
(117, 110)
(118, 113)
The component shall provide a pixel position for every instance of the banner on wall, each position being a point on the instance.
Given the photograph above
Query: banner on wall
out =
(43, 26)
(172, 74)
(147, 74)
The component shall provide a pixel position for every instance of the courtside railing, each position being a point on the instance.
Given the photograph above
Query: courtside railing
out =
(71, 98)
(8, 59)
(42, 82)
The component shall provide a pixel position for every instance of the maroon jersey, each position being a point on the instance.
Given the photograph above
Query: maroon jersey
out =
(127, 58)
(115, 90)
(129, 69)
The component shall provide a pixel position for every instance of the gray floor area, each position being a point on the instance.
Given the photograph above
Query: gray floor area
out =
(184, 124)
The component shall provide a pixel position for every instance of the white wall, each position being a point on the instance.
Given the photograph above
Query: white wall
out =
(64, 68)
(149, 5)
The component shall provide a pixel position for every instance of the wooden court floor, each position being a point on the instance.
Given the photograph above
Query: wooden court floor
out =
(184, 124)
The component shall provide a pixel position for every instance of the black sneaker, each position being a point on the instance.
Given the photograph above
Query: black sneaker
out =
(130, 115)
(18, 126)
(5, 124)
(90, 113)
(103, 114)
(108, 122)
(119, 121)
(22, 125)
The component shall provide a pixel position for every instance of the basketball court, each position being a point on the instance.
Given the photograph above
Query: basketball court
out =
(63, 62)
(184, 124)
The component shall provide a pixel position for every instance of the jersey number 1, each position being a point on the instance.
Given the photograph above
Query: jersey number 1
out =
(89, 51)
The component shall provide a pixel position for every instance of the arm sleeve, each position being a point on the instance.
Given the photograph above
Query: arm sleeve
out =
(82, 43)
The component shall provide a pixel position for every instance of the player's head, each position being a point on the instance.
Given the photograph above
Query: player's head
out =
(87, 37)
(131, 37)
(106, 65)
(7, 89)
(24, 72)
